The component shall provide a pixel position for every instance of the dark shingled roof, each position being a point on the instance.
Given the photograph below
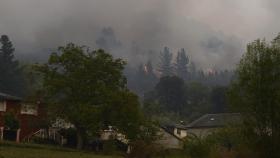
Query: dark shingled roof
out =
(4, 96)
(174, 125)
(215, 120)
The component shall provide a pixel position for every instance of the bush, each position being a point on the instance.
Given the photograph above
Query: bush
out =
(224, 143)
(197, 147)
(141, 149)
(71, 135)
(109, 147)
(10, 121)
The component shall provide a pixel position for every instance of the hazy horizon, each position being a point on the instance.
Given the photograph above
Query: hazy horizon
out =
(214, 33)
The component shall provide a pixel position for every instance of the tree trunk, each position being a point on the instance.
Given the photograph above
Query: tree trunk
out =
(80, 140)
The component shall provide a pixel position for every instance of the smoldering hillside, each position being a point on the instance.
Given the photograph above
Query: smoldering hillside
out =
(136, 30)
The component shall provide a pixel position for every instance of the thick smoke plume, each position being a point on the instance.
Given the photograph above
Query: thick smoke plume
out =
(212, 32)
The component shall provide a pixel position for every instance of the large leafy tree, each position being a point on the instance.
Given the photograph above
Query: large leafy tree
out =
(11, 78)
(256, 94)
(218, 99)
(122, 110)
(171, 93)
(88, 89)
(197, 96)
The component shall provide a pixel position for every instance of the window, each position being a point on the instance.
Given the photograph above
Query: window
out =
(29, 109)
(2, 106)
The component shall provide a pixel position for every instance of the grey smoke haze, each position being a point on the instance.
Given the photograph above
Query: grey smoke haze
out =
(214, 32)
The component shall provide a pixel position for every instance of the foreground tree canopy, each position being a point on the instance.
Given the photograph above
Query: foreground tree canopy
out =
(88, 89)
(256, 94)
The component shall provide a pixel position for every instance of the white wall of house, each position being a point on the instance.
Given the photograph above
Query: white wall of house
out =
(107, 134)
(181, 133)
(3, 106)
(29, 109)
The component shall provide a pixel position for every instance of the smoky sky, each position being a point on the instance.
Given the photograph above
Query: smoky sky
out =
(214, 33)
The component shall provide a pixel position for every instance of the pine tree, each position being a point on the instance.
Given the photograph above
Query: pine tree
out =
(108, 40)
(151, 77)
(137, 83)
(11, 80)
(165, 65)
(145, 78)
(193, 73)
(181, 64)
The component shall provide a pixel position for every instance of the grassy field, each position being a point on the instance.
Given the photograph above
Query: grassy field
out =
(13, 150)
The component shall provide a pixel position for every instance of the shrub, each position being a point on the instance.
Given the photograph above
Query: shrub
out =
(71, 135)
(109, 147)
(224, 143)
(10, 121)
(141, 149)
(196, 147)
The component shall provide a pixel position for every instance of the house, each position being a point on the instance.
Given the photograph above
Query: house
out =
(204, 125)
(26, 115)
(168, 139)
(108, 134)
(209, 123)
(178, 130)
(173, 135)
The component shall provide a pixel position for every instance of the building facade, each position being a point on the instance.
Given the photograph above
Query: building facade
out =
(18, 119)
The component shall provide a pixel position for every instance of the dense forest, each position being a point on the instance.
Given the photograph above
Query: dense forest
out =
(172, 84)
(176, 89)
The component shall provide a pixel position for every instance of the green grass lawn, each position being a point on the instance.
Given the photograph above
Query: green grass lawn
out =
(13, 150)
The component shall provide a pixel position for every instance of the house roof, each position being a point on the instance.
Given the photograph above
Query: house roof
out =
(171, 126)
(4, 96)
(215, 120)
